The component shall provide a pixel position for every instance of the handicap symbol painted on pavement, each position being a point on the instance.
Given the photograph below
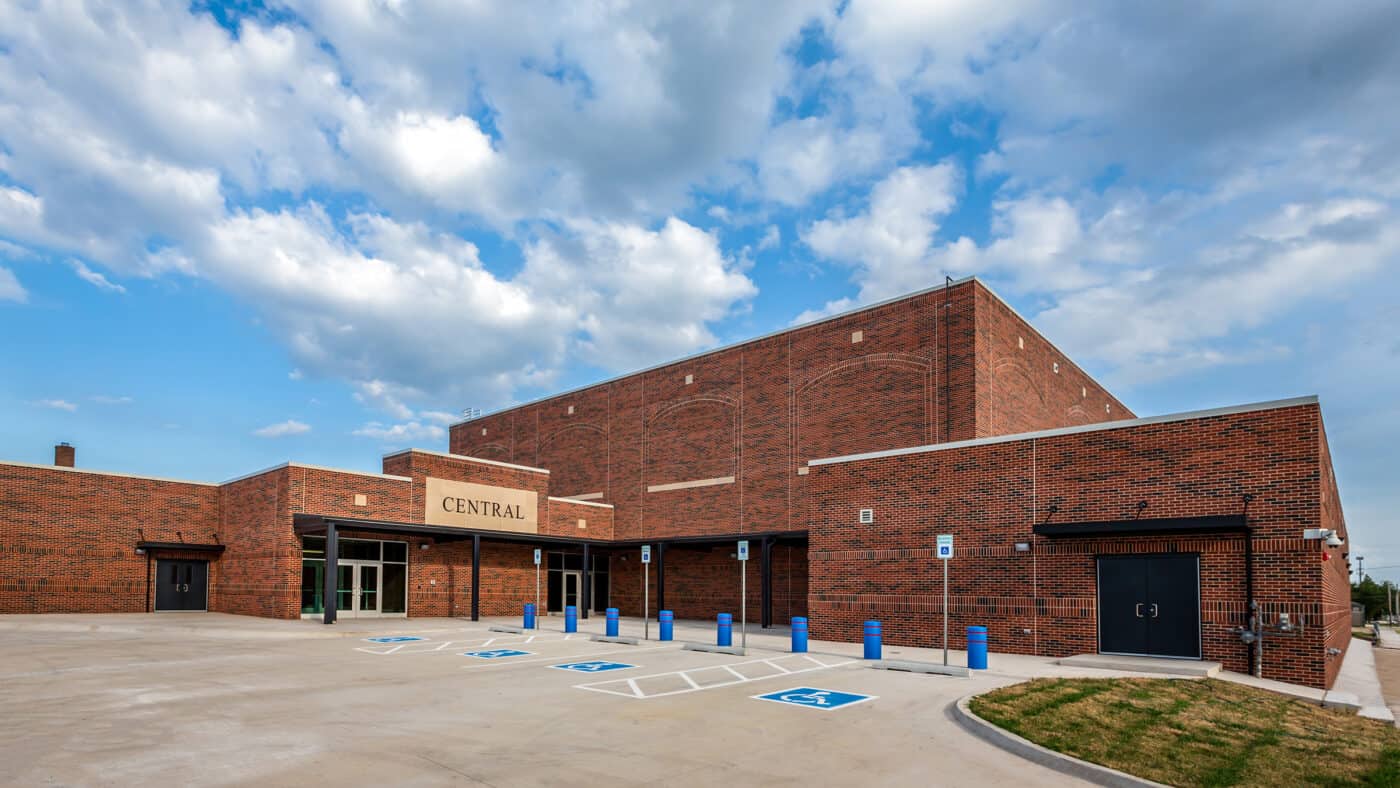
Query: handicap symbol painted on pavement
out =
(394, 639)
(813, 698)
(595, 666)
(497, 653)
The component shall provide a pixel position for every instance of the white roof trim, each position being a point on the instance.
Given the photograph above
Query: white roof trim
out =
(280, 466)
(730, 346)
(468, 459)
(66, 469)
(1107, 425)
(575, 500)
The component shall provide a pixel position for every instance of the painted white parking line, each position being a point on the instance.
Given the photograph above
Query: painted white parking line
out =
(575, 657)
(636, 687)
(430, 646)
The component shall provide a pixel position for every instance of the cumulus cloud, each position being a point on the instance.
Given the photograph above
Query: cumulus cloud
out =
(283, 429)
(641, 295)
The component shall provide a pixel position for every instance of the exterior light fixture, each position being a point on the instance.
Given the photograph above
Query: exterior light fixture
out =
(1023, 547)
(423, 546)
(140, 551)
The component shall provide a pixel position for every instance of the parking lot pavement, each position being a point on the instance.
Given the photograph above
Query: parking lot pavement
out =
(157, 699)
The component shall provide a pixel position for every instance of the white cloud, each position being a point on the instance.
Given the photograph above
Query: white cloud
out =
(439, 417)
(57, 404)
(772, 238)
(406, 432)
(804, 157)
(10, 288)
(283, 429)
(94, 278)
(889, 244)
(641, 295)
(105, 399)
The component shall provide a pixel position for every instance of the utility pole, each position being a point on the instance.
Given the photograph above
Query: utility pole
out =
(1360, 575)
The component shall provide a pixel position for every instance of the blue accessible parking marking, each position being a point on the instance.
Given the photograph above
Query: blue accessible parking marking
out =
(394, 639)
(813, 698)
(497, 653)
(595, 666)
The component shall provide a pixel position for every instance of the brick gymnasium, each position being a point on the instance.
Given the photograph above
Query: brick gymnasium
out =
(840, 449)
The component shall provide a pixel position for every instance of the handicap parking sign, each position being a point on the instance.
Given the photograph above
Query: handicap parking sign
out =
(813, 698)
(497, 653)
(394, 639)
(596, 666)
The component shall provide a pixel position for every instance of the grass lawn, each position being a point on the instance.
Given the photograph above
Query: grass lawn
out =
(1197, 732)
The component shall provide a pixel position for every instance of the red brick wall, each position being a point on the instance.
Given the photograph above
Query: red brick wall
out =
(1336, 577)
(260, 572)
(756, 412)
(1024, 383)
(564, 517)
(68, 538)
(989, 496)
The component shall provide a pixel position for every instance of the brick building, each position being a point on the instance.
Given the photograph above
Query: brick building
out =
(838, 448)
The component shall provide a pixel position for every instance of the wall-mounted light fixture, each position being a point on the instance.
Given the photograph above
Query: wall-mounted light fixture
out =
(1330, 536)
(423, 546)
(1023, 547)
(140, 551)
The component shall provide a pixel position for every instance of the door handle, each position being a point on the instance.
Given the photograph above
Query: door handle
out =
(1154, 609)
(1138, 609)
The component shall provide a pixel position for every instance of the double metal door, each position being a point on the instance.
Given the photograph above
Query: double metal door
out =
(182, 585)
(1150, 605)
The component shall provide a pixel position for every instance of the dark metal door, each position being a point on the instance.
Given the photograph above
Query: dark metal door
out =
(1122, 605)
(1174, 606)
(181, 585)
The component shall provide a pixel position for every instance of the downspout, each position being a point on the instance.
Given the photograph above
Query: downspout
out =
(148, 581)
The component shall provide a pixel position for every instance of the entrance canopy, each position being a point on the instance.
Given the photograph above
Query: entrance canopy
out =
(1159, 526)
(330, 526)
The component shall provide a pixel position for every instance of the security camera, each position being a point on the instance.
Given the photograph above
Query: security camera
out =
(1334, 540)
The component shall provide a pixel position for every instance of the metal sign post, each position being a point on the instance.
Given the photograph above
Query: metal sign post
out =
(743, 593)
(537, 588)
(945, 554)
(646, 592)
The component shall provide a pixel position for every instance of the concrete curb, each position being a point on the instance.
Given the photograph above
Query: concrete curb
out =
(961, 713)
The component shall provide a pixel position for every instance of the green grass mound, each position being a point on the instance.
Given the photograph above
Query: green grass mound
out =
(1192, 732)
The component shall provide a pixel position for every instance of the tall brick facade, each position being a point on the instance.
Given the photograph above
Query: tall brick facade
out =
(942, 412)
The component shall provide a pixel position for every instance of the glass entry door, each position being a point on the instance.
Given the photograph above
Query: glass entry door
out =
(573, 581)
(357, 589)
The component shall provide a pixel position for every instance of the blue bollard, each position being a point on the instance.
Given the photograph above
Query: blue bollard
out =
(799, 635)
(872, 640)
(612, 622)
(668, 620)
(726, 630)
(570, 619)
(977, 648)
(529, 615)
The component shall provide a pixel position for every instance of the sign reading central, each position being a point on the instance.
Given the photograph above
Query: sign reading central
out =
(467, 505)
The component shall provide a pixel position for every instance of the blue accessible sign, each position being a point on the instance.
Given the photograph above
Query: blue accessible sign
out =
(596, 666)
(813, 698)
(394, 639)
(498, 653)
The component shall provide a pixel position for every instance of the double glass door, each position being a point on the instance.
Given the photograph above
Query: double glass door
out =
(357, 588)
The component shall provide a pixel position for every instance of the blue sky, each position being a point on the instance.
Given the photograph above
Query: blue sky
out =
(237, 234)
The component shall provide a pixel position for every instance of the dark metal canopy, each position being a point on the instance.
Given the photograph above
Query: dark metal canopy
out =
(331, 526)
(1158, 526)
(185, 546)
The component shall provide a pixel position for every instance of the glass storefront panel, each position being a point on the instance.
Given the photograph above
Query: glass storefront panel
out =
(345, 586)
(396, 551)
(395, 588)
(359, 550)
(313, 584)
(313, 547)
